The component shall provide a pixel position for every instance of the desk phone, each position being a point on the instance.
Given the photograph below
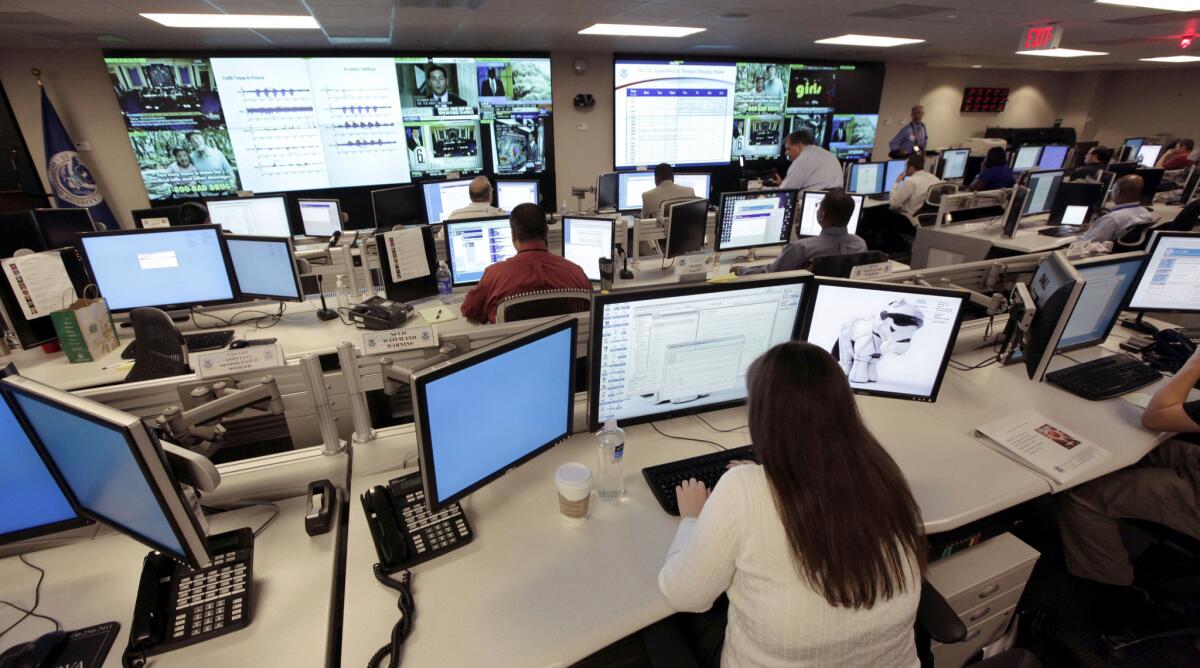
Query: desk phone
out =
(405, 532)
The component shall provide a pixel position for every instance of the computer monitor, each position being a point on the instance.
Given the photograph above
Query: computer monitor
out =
(1079, 156)
(606, 191)
(402, 205)
(894, 169)
(1147, 154)
(1133, 144)
(1170, 280)
(265, 268)
(256, 216)
(1107, 281)
(1043, 187)
(1119, 169)
(169, 268)
(443, 198)
(630, 186)
(1053, 157)
(867, 178)
(61, 227)
(701, 184)
(1087, 195)
(1151, 178)
(320, 217)
(452, 401)
(511, 194)
(1012, 215)
(937, 247)
(754, 218)
(1055, 289)
(809, 227)
(891, 340)
(473, 245)
(665, 351)
(112, 467)
(19, 230)
(954, 163)
(685, 227)
(1026, 158)
(159, 216)
(585, 240)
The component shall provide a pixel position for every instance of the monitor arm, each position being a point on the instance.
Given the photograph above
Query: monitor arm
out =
(995, 304)
(200, 429)
(394, 376)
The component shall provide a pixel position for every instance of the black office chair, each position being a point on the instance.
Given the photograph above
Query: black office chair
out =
(840, 266)
(936, 620)
(542, 304)
(161, 351)
(1186, 221)
(887, 230)
(1135, 238)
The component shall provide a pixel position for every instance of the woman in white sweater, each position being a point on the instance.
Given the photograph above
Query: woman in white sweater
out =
(819, 548)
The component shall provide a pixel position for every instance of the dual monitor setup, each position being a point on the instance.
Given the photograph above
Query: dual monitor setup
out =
(760, 218)
(622, 191)
(433, 201)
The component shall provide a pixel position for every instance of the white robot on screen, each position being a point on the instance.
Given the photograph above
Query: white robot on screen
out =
(865, 340)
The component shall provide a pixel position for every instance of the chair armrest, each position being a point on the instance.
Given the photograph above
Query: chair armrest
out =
(937, 618)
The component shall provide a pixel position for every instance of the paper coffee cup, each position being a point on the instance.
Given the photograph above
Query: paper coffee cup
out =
(574, 483)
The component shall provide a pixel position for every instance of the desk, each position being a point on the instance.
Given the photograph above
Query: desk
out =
(1027, 239)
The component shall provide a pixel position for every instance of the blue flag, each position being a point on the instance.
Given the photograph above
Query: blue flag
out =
(70, 179)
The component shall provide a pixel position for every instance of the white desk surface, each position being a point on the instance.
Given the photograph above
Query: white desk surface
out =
(1027, 239)
(96, 581)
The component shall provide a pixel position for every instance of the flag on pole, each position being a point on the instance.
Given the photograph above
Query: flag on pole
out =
(70, 179)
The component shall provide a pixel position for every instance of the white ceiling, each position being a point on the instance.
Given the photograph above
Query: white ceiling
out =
(957, 33)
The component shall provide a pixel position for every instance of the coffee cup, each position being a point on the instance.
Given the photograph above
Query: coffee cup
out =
(574, 483)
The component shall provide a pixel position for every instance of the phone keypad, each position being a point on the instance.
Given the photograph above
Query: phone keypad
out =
(432, 531)
(213, 600)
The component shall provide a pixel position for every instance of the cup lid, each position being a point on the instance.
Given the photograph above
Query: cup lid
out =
(572, 474)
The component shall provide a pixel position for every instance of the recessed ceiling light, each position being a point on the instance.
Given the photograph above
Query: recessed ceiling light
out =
(1172, 59)
(868, 40)
(263, 21)
(632, 30)
(1165, 5)
(1062, 53)
(977, 67)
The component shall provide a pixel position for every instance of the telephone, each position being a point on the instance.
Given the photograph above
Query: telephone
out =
(1171, 350)
(404, 531)
(380, 313)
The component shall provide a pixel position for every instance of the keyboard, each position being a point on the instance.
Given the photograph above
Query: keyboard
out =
(664, 478)
(1105, 378)
(1059, 231)
(196, 343)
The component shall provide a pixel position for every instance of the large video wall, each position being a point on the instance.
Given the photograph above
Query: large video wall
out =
(203, 127)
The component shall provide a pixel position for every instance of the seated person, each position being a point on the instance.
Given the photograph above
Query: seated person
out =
(193, 213)
(664, 189)
(912, 185)
(1093, 163)
(833, 214)
(1179, 155)
(534, 267)
(811, 168)
(805, 587)
(1127, 211)
(1164, 488)
(480, 192)
(996, 173)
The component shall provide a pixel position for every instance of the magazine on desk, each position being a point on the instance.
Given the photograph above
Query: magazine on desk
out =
(1045, 445)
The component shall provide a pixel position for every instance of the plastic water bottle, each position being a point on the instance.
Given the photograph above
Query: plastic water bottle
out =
(343, 291)
(445, 286)
(610, 475)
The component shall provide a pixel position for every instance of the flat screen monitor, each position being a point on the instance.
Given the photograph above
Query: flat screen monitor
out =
(852, 136)
(61, 227)
(891, 340)
(1170, 280)
(867, 178)
(453, 400)
(1147, 154)
(665, 351)
(1086, 194)
(443, 198)
(606, 191)
(265, 267)
(755, 218)
(1012, 215)
(1119, 169)
(1053, 157)
(1134, 144)
(112, 466)
(174, 267)
(685, 227)
(511, 194)
(159, 216)
(954, 163)
(402, 205)
(894, 169)
(1026, 158)
(475, 244)
(19, 230)
(255, 216)
(320, 217)
(1107, 281)
(1055, 288)
(809, 227)
(701, 184)
(585, 240)
(630, 186)
(1043, 187)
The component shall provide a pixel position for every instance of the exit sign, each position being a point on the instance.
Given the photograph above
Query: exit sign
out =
(1038, 38)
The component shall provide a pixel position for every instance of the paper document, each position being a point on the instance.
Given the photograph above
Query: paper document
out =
(406, 254)
(40, 283)
(1045, 445)
(434, 314)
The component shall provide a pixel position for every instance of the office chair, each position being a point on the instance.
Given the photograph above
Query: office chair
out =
(1186, 221)
(937, 621)
(161, 351)
(840, 266)
(667, 204)
(933, 200)
(543, 303)
(888, 230)
(1135, 237)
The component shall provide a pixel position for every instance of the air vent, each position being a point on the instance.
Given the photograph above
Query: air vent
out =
(1152, 19)
(439, 4)
(29, 19)
(902, 11)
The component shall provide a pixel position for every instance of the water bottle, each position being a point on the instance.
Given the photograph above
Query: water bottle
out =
(610, 478)
(343, 291)
(445, 286)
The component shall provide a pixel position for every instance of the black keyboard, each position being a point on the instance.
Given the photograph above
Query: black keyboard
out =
(196, 343)
(1059, 231)
(1105, 378)
(708, 468)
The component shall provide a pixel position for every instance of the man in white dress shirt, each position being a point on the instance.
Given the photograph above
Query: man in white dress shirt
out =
(912, 185)
(812, 168)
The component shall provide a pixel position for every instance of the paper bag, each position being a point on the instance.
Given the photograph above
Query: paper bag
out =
(85, 330)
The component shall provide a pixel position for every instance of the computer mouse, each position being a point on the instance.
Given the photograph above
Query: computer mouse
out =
(237, 344)
(34, 654)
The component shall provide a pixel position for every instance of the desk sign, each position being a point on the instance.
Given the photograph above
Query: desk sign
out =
(1039, 38)
(228, 362)
(868, 272)
(395, 340)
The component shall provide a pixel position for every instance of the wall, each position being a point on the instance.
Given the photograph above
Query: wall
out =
(583, 138)
(1140, 103)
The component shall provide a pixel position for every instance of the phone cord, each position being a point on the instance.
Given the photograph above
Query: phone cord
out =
(403, 626)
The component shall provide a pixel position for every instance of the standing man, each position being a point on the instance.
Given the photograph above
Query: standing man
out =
(912, 186)
(912, 138)
(491, 86)
(812, 168)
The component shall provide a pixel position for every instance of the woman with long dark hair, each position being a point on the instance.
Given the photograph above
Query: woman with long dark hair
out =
(820, 547)
(996, 173)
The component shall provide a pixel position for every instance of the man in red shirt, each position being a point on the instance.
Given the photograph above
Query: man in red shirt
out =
(533, 268)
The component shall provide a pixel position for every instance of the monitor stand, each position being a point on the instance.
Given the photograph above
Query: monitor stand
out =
(1138, 326)
(176, 316)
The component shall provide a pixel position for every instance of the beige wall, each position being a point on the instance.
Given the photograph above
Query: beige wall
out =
(1140, 103)
(583, 138)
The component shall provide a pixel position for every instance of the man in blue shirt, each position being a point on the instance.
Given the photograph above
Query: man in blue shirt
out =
(1127, 211)
(911, 138)
(833, 214)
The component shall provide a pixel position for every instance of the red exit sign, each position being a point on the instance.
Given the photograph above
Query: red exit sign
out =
(1037, 38)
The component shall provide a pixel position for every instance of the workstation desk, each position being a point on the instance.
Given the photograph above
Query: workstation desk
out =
(1027, 239)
